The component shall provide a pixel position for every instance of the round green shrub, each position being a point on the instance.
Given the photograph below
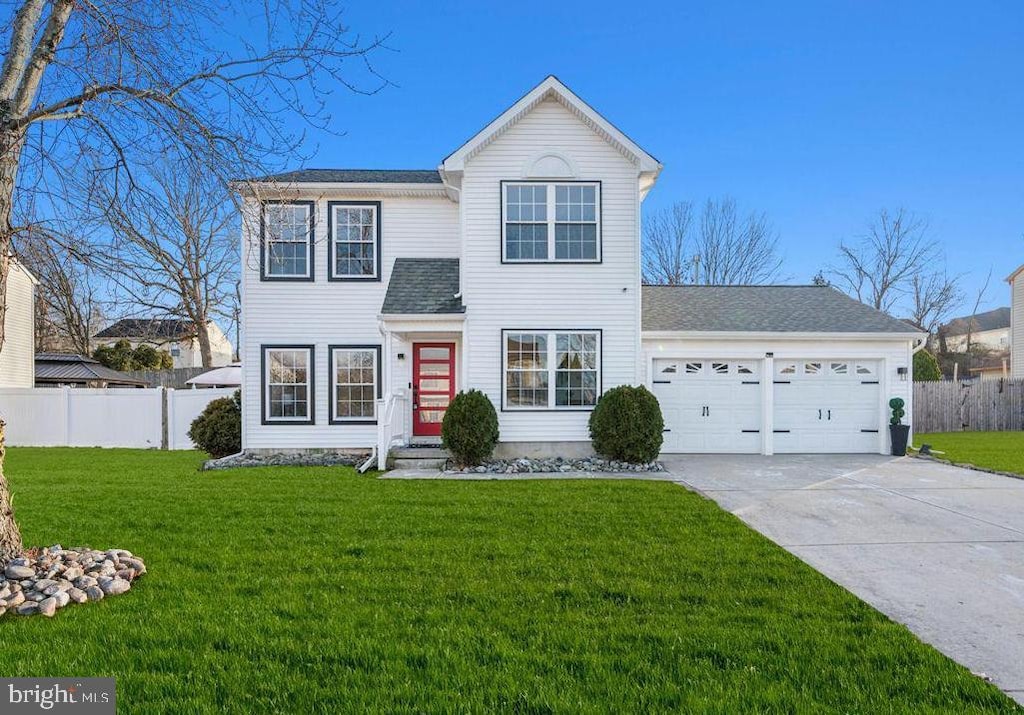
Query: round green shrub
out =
(218, 429)
(626, 425)
(470, 428)
(926, 367)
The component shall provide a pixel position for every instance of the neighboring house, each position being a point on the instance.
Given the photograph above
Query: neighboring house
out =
(989, 330)
(371, 297)
(1016, 281)
(178, 337)
(992, 368)
(70, 370)
(17, 367)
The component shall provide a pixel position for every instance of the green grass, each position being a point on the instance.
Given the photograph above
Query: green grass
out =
(319, 590)
(1002, 451)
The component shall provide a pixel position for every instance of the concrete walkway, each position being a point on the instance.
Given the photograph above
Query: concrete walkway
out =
(937, 548)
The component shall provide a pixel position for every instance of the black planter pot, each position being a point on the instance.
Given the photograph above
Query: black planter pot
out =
(898, 434)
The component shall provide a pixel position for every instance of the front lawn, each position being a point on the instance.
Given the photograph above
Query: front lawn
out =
(319, 590)
(1002, 451)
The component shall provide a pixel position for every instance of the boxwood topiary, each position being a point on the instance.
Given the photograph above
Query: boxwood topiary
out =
(470, 428)
(626, 425)
(218, 428)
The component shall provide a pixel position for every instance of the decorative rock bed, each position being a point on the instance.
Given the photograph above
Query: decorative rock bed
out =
(296, 459)
(554, 464)
(43, 581)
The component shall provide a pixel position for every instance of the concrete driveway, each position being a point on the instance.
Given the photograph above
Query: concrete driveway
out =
(937, 548)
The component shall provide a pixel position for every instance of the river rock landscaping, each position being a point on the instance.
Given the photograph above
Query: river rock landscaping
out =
(525, 465)
(46, 580)
(293, 459)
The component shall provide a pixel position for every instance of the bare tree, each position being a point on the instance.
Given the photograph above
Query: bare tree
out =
(110, 82)
(666, 259)
(934, 295)
(172, 252)
(723, 248)
(68, 305)
(971, 322)
(880, 268)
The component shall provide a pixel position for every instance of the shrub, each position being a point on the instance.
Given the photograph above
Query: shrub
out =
(218, 429)
(626, 425)
(121, 356)
(926, 367)
(470, 428)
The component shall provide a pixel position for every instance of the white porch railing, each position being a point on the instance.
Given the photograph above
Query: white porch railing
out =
(390, 426)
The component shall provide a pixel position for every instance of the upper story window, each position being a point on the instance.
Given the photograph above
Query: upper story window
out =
(355, 240)
(286, 231)
(551, 222)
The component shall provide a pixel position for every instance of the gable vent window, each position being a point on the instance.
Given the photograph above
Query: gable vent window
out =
(551, 222)
(286, 232)
(355, 240)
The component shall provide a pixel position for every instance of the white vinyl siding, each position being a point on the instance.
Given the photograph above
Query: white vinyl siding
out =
(17, 357)
(1017, 326)
(537, 297)
(328, 313)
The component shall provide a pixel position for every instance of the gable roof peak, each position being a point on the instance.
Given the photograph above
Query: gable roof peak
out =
(551, 87)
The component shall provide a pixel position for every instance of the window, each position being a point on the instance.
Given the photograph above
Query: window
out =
(720, 368)
(355, 240)
(526, 370)
(693, 368)
(812, 368)
(532, 231)
(355, 383)
(551, 369)
(286, 231)
(575, 369)
(866, 369)
(288, 384)
(839, 368)
(788, 368)
(745, 368)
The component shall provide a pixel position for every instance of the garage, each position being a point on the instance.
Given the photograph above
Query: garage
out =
(710, 405)
(766, 369)
(826, 405)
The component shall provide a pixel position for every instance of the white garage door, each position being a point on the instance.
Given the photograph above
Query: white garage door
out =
(710, 405)
(826, 405)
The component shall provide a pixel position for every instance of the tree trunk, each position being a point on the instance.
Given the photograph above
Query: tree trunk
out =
(203, 335)
(10, 537)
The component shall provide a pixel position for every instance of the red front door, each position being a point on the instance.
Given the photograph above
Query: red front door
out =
(433, 386)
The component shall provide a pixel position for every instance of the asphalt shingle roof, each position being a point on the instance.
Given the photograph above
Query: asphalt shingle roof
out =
(355, 176)
(165, 328)
(69, 367)
(989, 320)
(767, 309)
(423, 286)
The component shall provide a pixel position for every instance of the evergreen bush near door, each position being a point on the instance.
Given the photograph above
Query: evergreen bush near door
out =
(626, 425)
(470, 428)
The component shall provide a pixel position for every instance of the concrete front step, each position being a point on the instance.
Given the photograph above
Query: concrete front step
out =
(417, 457)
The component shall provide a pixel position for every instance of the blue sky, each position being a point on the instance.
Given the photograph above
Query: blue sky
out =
(818, 113)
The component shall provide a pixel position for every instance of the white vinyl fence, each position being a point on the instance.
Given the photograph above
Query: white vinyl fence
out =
(156, 418)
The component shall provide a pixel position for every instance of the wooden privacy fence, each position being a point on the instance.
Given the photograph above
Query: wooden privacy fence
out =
(977, 405)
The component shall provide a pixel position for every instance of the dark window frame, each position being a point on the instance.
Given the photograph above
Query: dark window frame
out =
(310, 243)
(550, 260)
(377, 245)
(265, 419)
(333, 376)
(552, 369)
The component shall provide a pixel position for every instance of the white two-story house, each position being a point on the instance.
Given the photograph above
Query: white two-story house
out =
(370, 297)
